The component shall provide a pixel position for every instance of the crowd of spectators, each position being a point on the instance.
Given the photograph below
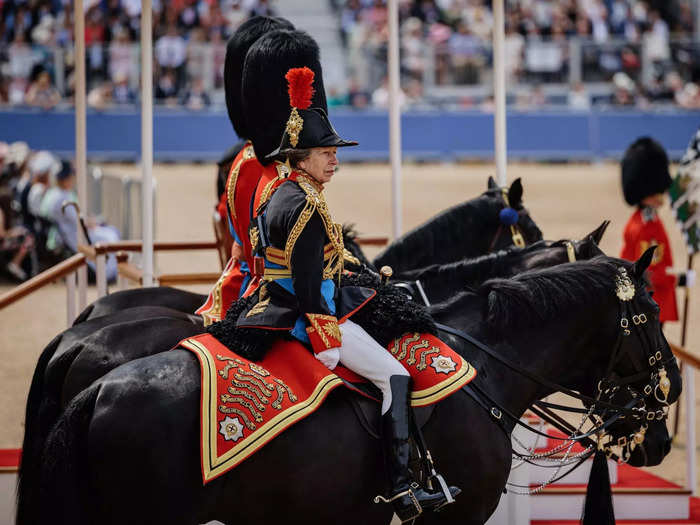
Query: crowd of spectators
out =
(449, 41)
(36, 229)
(189, 49)
(645, 51)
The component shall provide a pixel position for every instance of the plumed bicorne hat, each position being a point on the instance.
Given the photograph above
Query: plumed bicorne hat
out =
(236, 49)
(306, 127)
(644, 170)
(265, 99)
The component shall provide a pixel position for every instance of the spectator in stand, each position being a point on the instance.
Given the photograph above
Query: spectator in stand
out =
(41, 92)
(171, 53)
(41, 166)
(262, 8)
(188, 18)
(16, 242)
(514, 46)
(63, 234)
(196, 98)
(578, 97)
(166, 89)
(413, 48)
(94, 40)
(122, 94)
(122, 54)
(100, 97)
(197, 50)
(466, 52)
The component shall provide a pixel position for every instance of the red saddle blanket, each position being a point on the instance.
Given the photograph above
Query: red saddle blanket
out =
(245, 404)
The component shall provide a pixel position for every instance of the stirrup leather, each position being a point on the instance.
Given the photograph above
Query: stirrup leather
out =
(408, 492)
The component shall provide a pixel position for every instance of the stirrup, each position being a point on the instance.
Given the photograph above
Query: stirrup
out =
(408, 492)
(445, 490)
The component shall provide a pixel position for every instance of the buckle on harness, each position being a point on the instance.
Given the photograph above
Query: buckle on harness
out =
(495, 412)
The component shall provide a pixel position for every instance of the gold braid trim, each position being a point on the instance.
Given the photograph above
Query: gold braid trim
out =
(315, 201)
(269, 189)
(302, 220)
(233, 178)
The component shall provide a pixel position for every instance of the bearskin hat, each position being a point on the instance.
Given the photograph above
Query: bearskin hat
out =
(236, 49)
(265, 97)
(644, 170)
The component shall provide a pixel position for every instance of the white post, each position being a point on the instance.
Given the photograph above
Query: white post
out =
(82, 287)
(395, 117)
(70, 299)
(499, 91)
(691, 455)
(147, 141)
(80, 138)
(101, 275)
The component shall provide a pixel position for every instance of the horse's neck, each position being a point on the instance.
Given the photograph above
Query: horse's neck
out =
(554, 351)
(450, 236)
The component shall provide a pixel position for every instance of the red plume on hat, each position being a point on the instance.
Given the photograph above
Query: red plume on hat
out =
(300, 80)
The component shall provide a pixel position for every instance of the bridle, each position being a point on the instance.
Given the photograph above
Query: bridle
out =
(516, 232)
(602, 408)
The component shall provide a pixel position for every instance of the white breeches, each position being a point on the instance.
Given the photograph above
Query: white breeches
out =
(364, 356)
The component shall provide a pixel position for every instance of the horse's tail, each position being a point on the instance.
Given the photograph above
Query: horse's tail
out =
(64, 480)
(36, 429)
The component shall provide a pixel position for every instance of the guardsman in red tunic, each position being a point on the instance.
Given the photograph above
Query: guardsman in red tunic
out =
(244, 173)
(645, 179)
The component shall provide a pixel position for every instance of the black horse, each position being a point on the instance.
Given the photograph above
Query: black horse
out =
(68, 367)
(50, 390)
(469, 229)
(439, 282)
(126, 449)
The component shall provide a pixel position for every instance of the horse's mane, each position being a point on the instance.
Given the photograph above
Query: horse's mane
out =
(547, 294)
(435, 231)
(479, 268)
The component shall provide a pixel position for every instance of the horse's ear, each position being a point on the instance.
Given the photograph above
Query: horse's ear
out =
(597, 234)
(587, 248)
(515, 193)
(643, 262)
(492, 184)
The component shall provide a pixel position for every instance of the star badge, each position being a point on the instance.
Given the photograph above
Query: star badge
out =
(443, 364)
(231, 429)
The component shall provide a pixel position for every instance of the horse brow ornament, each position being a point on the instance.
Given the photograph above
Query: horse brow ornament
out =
(624, 288)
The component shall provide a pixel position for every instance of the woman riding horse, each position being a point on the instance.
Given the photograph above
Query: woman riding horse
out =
(303, 253)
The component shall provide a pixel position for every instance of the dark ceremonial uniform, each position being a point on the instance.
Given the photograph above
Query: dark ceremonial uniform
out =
(303, 254)
(645, 229)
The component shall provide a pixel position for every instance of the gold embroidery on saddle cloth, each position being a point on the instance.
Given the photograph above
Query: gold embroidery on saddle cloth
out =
(422, 365)
(254, 378)
(225, 398)
(253, 399)
(258, 369)
(316, 202)
(404, 346)
(412, 354)
(230, 410)
(290, 393)
(262, 393)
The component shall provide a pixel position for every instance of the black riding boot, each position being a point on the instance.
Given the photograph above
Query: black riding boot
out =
(408, 497)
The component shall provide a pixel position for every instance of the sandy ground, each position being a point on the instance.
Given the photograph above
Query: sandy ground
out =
(566, 201)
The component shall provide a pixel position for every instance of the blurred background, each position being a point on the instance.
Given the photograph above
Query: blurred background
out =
(573, 54)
